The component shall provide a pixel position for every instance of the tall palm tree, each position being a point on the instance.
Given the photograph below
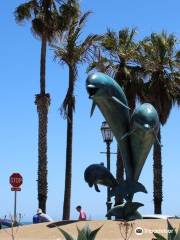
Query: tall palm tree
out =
(71, 51)
(46, 23)
(120, 61)
(160, 60)
(122, 50)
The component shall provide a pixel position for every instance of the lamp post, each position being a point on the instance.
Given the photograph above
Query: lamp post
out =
(107, 138)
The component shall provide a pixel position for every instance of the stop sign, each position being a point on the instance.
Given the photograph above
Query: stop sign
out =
(16, 180)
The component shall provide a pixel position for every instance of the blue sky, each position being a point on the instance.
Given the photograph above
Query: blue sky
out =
(19, 83)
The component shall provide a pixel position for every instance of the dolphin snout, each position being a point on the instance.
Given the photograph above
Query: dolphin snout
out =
(90, 184)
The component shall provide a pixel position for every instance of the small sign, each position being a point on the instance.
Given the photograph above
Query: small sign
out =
(16, 180)
(15, 189)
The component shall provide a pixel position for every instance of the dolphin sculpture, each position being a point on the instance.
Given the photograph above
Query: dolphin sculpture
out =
(111, 100)
(126, 211)
(135, 137)
(143, 133)
(98, 174)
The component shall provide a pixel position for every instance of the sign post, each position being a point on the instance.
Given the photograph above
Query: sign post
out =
(15, 204)
(15, 180)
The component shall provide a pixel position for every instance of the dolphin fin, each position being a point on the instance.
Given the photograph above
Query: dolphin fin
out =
(157, 140)
(120, 102)
(126, 188)
(127, 134)
(125, 211)
(93, 108)
(96, 188)
(134, 187)
(131, 207)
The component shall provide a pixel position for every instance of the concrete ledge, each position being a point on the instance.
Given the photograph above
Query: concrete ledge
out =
(111, 230)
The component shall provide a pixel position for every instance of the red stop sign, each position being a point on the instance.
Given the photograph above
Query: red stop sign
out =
(16, 180)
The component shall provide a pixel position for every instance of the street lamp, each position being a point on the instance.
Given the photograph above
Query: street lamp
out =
(107, 138)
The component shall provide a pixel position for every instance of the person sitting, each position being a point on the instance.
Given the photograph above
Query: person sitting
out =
(41, 217)
(82, 214)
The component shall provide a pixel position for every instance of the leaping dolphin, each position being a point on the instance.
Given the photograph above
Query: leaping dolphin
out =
(111, 100)
(144, 128)
(98, 174)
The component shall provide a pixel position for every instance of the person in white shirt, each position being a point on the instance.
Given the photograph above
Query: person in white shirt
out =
(41, 217)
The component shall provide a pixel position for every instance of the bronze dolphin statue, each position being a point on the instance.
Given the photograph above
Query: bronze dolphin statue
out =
(135, 137)
(143, 133)
(98, 174)
(111, 100)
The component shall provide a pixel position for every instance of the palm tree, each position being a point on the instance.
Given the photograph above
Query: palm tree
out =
(122, 50)
(160, 60)
(71, 51)
(46, 23)
(121, 62)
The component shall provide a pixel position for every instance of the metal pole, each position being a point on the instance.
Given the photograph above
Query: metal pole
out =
(15, 204)
(108, 203)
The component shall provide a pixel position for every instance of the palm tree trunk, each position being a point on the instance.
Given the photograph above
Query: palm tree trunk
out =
(119, 174)
(157, 170)
(42, 101)
(68, 171)
(43, 64)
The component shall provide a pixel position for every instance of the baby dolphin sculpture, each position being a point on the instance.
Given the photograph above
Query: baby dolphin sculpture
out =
(126, 211)
(98, 174)
(111, 100)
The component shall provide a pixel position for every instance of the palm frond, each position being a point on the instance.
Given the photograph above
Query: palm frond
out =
(90, 39)
(37, 27)
(110, 41)
(69, 12)
(98, 61)
(86, 46)
(130, 39)
(84, 18)
(25, 11)
(76, 52)
(60, 54)
(76, 27)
